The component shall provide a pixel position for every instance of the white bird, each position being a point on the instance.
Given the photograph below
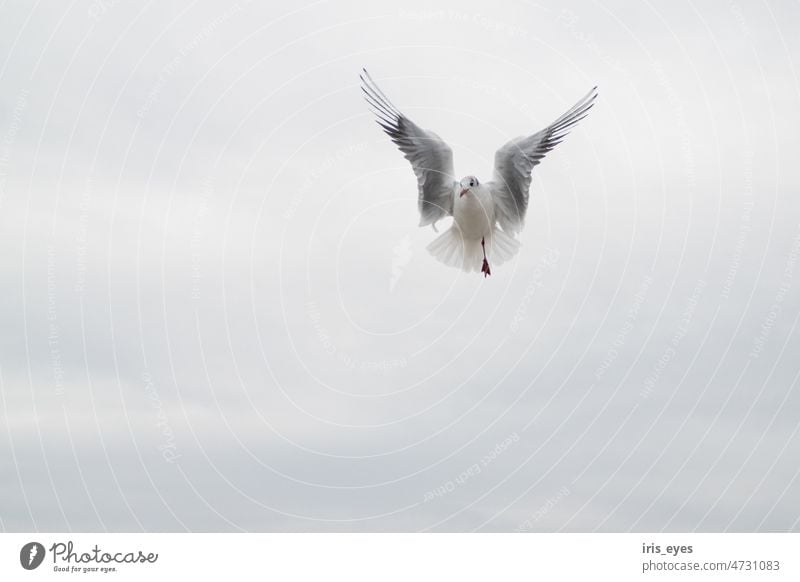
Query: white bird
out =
(486, 217)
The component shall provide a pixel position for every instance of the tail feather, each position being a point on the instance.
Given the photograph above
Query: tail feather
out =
(452, 249)
(504, 246)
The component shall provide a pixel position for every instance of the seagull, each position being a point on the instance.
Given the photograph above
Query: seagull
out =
(486, 216)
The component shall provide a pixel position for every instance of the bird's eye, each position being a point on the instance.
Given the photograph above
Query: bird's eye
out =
(471, 183)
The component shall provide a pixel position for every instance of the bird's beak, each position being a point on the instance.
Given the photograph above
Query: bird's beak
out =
(464, 191)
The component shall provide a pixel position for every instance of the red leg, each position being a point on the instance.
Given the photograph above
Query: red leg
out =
(485, 268)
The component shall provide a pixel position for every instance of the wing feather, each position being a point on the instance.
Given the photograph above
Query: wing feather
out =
(514, 162)
(430, 157)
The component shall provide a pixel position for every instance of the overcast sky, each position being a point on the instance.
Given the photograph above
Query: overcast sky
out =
(218, 312)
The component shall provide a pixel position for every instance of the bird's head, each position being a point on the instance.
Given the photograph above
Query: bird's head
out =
(468, 183)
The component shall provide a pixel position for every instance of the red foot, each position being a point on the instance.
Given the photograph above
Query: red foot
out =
(485, 268)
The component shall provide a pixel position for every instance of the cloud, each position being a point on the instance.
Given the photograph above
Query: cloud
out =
(218, 312)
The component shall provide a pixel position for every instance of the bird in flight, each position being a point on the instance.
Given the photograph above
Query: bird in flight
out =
(486, 215)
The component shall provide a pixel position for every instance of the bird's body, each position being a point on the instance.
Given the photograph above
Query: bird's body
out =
(486, 216)
(473, 213)
(474, 237)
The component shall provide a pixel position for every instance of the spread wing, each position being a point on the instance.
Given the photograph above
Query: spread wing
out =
(431, 158)
(514, 162)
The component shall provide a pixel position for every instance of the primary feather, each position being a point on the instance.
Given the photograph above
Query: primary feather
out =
(514, 162)
(430, 157)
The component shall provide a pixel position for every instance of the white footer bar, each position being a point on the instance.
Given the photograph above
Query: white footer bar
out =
(390, 557)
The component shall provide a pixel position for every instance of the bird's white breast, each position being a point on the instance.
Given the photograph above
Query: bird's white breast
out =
(474, 212)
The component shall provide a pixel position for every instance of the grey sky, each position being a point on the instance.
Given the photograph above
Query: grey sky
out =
(219, 313)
